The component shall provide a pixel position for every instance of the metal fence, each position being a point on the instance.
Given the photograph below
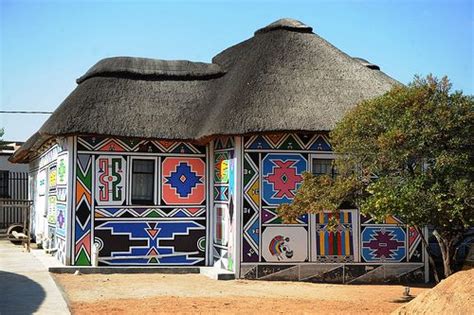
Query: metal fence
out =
(23, 209)
(13, 188)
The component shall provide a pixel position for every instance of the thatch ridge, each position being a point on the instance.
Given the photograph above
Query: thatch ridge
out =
(150, 68)
(285, 78)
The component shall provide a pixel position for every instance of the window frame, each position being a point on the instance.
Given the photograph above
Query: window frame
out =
(152, 202)
(322, 156)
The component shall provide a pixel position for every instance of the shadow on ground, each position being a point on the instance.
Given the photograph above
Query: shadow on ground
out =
(19, 294)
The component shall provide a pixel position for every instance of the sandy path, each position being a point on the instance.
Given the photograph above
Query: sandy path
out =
(142, 293)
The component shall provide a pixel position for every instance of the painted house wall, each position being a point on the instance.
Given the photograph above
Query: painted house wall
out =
(273, 165)
(49, 176)
(224, 203)
(171, 231)
(213, 205)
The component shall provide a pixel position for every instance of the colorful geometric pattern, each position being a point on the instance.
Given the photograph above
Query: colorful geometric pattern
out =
(221, 168)
(224, 199)
(390, 219)
(288, 141)
(183, 181)
(270, 216)
(62, 170)
(104, 144)
(383, 244)
(336, 244)
(110, 180)
(251, 221)
(221, 193)
(83, 209)
(221, 143)
(285, 244)
(150, 213)
(150, 242)
(414, 239)
(52, 209)
(61, 218)
(52, 175)
(282, 176)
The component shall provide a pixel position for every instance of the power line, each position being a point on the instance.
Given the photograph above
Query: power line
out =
(24, 112)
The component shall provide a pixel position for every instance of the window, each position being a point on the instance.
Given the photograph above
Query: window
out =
(143, 182)
(322, 166)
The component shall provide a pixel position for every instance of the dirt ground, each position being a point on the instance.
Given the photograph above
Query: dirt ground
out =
(453, 295)
(185, 294)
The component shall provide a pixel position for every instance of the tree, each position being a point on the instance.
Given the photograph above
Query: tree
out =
(408, 153)
(2, 143)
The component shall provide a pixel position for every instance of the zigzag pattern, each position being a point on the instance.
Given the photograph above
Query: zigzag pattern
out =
(83, 202)
(149, 213)
(288, 141)
(104, 144)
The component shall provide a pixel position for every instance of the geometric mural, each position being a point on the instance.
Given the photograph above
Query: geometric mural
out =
(172, 232)
(149, 212)
(282, 244)
(110, 180)
(105, 144)
(383, 243)
(83, 209)
(414, 240)
(183, 181)
(336, 244)
(288, 141)
(224, 203)
(221, 167)
(282, 176)
(62, 213)
(151, 242)
(251, 205)
(61, 220)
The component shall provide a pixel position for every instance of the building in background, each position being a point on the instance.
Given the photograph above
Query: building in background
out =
(179, 163)
(13, 184)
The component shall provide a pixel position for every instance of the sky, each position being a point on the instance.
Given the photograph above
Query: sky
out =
(47, 45)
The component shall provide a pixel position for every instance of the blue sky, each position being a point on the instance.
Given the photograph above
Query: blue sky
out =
(46, 45)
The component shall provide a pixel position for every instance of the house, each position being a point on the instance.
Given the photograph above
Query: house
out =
(178, 163)
(13, 186)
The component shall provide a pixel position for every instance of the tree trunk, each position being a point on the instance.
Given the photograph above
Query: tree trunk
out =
(430, 255)
(447, 247)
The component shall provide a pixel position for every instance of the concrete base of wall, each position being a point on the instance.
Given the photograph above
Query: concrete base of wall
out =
(336, 272)
(131, 269)
(210, 272)
(217, 274)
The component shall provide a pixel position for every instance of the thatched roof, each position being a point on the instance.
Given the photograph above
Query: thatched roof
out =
(285, 78)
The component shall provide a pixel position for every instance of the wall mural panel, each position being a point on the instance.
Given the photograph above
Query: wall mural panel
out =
(61, 220)
(62, 213)
(105, 144)
(83, 210)
(273, 165)
(285, 244)
(183, 181)
(383, 243)
(336, 244)
(110, 180)
(282, 175)
(151, 242)
(251, 206)
(224, 202)
(170, 232)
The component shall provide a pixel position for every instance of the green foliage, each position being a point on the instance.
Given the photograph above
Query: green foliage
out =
(2, 143)
(408, 153)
